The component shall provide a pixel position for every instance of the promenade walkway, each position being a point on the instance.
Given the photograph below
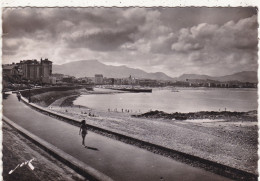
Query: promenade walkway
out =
(118, 160)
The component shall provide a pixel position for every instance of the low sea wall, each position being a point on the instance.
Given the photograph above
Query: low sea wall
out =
(32, 92)
(47, 95)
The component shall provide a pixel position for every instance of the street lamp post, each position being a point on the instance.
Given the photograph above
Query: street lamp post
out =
(29, 95)
(41, 80)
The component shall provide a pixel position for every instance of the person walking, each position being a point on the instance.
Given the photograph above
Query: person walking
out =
(19, 96)
(83, 131)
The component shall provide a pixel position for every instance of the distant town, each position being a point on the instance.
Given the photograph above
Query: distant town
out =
(35, 73)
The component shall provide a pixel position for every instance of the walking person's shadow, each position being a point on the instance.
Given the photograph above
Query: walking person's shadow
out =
(91, 148)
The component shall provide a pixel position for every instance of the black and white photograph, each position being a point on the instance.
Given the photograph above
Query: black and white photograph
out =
(130, 93)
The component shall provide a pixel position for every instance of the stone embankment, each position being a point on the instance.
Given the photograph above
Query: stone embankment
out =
(46, 96)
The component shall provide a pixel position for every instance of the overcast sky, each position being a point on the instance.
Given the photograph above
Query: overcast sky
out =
(212, 41)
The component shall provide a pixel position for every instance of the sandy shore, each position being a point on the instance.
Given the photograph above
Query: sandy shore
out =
(232, 142)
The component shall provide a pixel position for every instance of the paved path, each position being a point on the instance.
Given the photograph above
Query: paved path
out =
(118, 160)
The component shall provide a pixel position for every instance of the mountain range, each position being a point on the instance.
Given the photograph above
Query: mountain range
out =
(245, 76)
(88, 68)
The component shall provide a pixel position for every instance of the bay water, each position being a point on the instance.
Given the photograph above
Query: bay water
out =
(177, 100)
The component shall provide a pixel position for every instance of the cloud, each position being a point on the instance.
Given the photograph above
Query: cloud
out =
(178, 18)
(242, 35)
(12, 46)
(185, 47)
(102, 40)
(212, 49)
(173, 40)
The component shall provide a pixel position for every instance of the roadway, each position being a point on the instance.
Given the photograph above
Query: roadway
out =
(118, 160)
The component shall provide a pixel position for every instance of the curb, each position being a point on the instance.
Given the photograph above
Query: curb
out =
(208, 165)
(65, 158)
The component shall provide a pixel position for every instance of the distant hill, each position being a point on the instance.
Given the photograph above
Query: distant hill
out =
(88, 68)
(184, 77)
(245, 76)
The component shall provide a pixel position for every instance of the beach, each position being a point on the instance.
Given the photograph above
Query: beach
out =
(228, 140)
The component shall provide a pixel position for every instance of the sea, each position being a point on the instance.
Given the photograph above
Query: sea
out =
(172, 100)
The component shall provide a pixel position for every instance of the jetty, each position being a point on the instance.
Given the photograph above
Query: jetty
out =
(131, 89)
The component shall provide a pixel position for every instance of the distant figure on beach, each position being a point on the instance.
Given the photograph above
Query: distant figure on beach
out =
(83, 131)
